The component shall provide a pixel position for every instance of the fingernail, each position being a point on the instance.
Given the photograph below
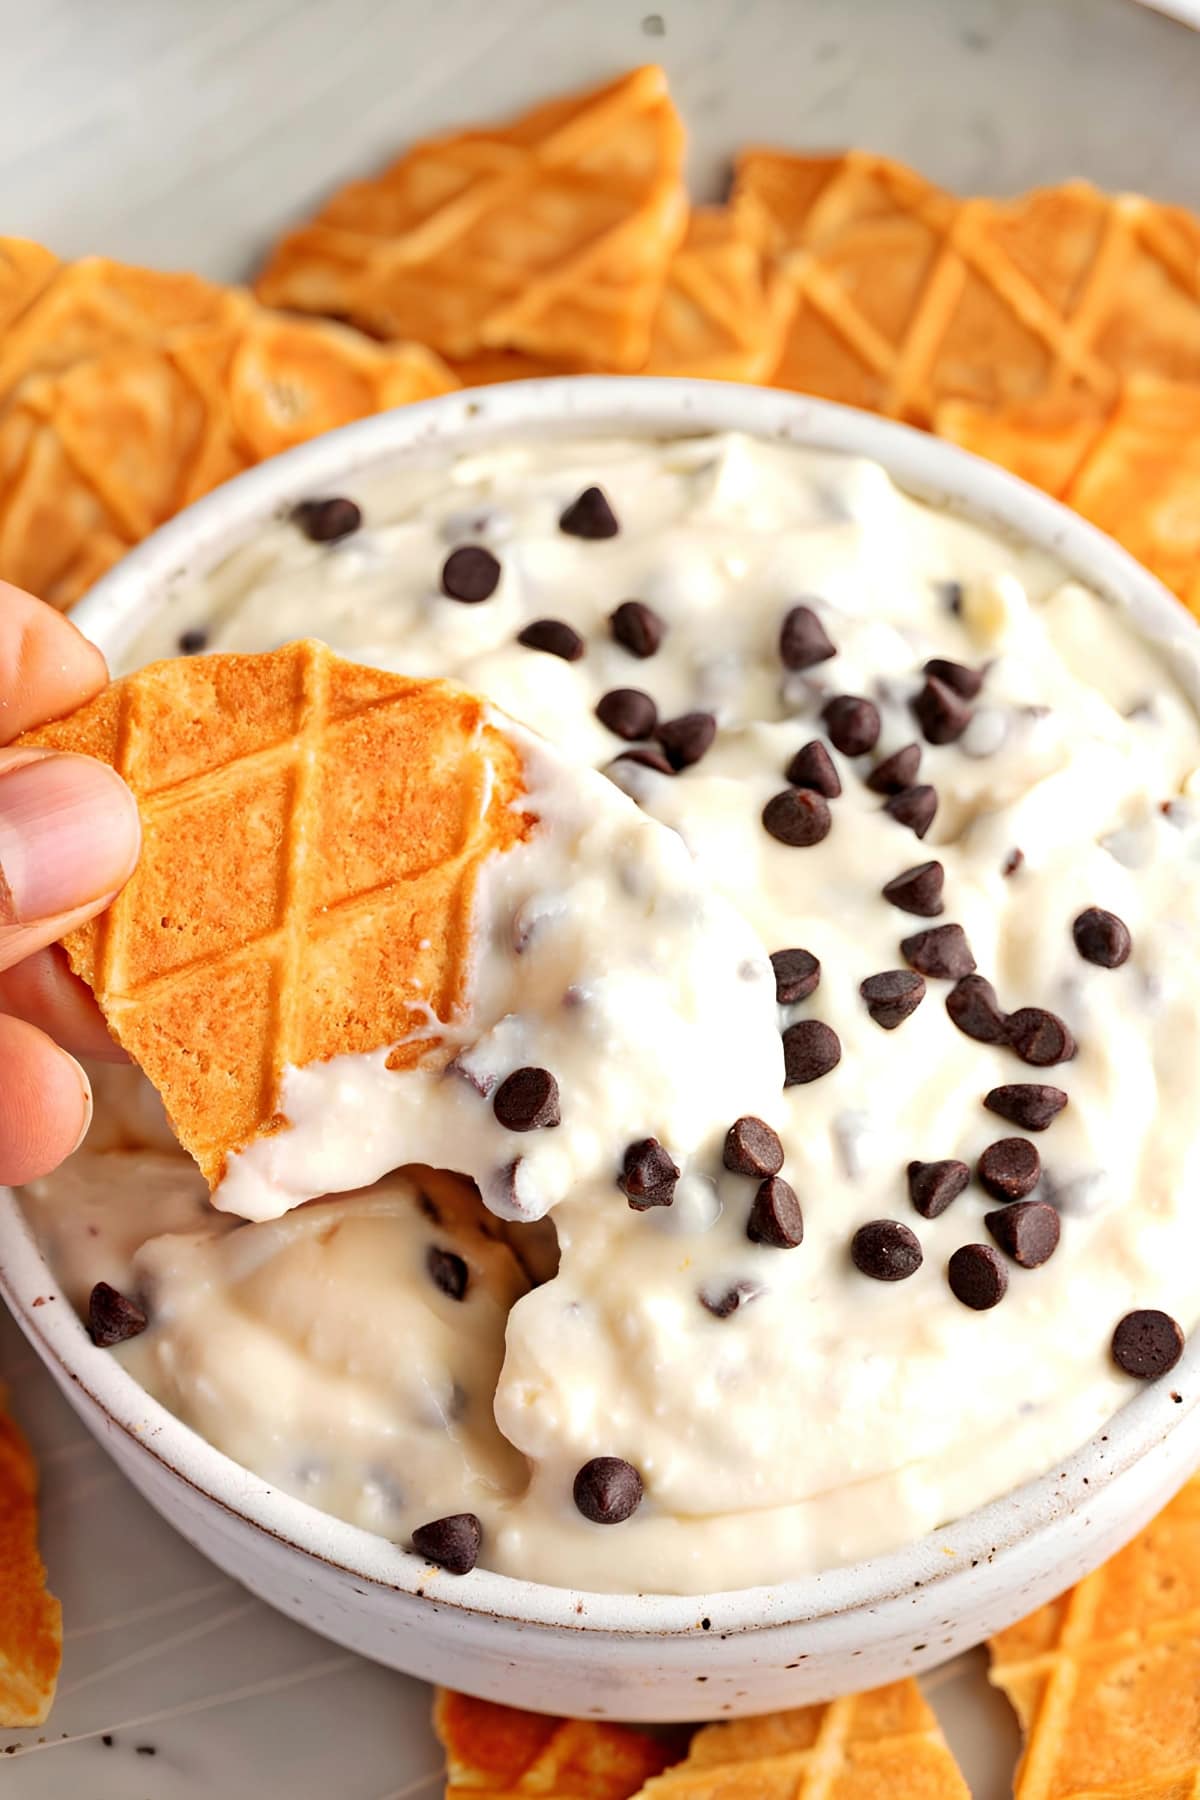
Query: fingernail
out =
(89, 1104)
(69, 835)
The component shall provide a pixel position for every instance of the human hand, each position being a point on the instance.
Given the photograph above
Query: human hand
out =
(69, 839)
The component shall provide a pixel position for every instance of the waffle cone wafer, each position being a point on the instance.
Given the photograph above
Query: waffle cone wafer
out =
(719, 316)
(549, 236)
(872, 1746)
(494, 1749)
(902, 297)
(126, 394)
(1132, 467)
(312, 834)
(1106, 1679)
(30, 1618)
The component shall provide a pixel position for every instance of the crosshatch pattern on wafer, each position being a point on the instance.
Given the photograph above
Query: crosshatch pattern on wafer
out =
(548, 236)
(872, 1746)
(126, 393)
(903, 296)
(493, 1749)
(1131, 465)
(1106, 1679)
(312, 836)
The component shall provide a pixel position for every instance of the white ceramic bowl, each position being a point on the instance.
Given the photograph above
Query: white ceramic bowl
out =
(624, 1656)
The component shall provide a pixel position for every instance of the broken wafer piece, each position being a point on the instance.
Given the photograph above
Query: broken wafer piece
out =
(1131, 466)
(376, 922)
(549, 235)
(903, 297)
(30, 1617)
(126, 393)
(720, 316)
(493, 1749)
(1105, 1679)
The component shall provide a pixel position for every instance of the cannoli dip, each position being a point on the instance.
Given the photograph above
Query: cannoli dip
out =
(942, 1228)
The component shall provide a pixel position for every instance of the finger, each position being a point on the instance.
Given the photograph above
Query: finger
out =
(47, 667)
(43, 991)
(45, 1103)
(69, 838)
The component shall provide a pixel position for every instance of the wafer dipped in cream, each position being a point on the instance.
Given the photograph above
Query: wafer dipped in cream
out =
(376, 922)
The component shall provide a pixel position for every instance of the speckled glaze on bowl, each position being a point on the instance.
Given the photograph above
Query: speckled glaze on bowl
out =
(606, 1655)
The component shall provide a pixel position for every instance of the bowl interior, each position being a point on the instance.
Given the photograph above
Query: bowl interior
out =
(434, 430)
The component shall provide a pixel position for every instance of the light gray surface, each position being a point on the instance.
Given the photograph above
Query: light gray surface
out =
(184, 133)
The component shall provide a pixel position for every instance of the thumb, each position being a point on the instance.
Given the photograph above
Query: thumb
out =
(69, 839)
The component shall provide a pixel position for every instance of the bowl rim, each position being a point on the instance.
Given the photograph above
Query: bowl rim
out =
(603, 406)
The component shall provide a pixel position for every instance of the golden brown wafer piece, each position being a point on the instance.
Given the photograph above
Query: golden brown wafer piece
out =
(131, 393)
(1106, 1679)
(873, 1746)
(903, 298)
(494, 1749)
(30, 1618)
(720, 316)
(312, 835)
(1132, 467)
(549, 236)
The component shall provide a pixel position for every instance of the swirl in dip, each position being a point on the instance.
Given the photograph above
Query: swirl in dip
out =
(950, 793)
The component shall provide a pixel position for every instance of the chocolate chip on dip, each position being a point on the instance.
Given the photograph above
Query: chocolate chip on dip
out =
(803, 640)
(1147, 1344)
(797, 975)
(896, 772)
(590, 516)
(797, 817)
(886, 1250)
(977, 1276)
(933, 1186)
(470, 574)
(649, 1175)
(554, 637)
(1102, 938)
(1010, 1168)
(892, 996)
(527, 1100)
(775, 1217)
(325, 521)
(810, 1049)
(812, 767)
(113, 1318)
(637, 628)
(917, 890)
(1029, 1104)
(752, 1148)
(608, 1490)
(852, 724)
(452, 1543)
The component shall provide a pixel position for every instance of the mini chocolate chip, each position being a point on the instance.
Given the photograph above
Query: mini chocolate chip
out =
(1012, 862)
(1147, 1344)
(775, 1217)
(192, 642)
(687, 738)
(940, 713)
(555, 637)
(452, 1543)
(628, 713)
(448, 1270)
(952, 594)
(1028, 1232)
(648, 1175)
(965, 682)
(917, 890)
(977, 1277)
(892, 996)
(812, 767)
(886, 1250)
(933, 1185)
(797, 975)
(1039, 1037)
(724, 1302)
(590, 516)
(637, 628)
(974, 1008)
(527, 1100)
(803, 640)
(797, 817)
(1010, 1168)
(1102, 938)
(324, 521)
(810, 1049)
(752, 1148)
(941, 951)
(647, 757)
(608, 1490)
(113, 1318)
(896, 772)
(1026, 1103)
(470, 574)
(914, 807)
(852, 724)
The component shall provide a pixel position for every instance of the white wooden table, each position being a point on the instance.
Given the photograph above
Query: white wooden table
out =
(185, 133)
